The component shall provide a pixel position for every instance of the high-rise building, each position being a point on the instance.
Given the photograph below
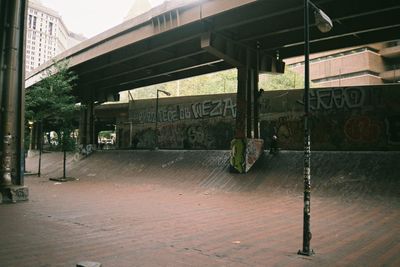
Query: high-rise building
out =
(364, 65)
(46, 35)
(138, 8)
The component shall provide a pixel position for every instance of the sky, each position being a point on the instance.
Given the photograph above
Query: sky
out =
(91, 17)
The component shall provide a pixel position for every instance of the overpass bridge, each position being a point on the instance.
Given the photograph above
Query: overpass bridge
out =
(181, 39)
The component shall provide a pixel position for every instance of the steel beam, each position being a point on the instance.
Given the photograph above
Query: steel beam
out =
(239, 55)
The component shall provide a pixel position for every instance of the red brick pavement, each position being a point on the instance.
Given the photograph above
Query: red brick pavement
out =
(122, 222)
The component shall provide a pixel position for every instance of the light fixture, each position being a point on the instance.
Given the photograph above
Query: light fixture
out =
(323, 22)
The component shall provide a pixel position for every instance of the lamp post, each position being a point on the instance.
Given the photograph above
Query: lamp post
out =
(168, 94)
(324, 24)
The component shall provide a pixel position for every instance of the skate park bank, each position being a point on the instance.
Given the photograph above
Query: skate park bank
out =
(364, 118)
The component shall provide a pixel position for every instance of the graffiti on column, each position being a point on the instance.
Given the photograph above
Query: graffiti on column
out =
(238, 154)
(254, 149)
(244, 153)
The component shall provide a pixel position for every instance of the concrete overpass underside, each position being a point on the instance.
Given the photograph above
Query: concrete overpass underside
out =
(180, 40)
(183, 39)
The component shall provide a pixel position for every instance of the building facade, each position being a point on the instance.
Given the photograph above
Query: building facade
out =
(46, 35)
(365, 65)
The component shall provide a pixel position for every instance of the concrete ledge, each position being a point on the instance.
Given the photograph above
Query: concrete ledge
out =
(13, 194)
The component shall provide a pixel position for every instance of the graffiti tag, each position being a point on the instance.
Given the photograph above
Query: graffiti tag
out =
(214, 108)
(362, 129)
(198, 137)
(198, 110)
(336, 98)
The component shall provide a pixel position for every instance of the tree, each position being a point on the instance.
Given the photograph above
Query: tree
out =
(51, 103)
(288, 80)
(220, 82)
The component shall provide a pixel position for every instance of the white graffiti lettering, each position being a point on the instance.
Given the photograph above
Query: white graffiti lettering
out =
(231, 106)
(336, 98)
(205, 109)
(214, 108)
(184, 113)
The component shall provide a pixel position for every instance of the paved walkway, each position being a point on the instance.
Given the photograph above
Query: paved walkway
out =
(138, 222)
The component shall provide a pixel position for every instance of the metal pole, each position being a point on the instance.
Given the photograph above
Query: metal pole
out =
(41, 147)
(156, 138)
(64, 161)
(307, 142)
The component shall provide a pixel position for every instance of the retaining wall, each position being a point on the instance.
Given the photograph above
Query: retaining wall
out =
(343, 118)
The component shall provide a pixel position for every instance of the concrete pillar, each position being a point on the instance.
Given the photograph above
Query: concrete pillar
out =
(91, 128)
(12, 94)
(256, 105)
(246, 148)
(250, 104)
(87, 129)
(241, 104)
(83, 126)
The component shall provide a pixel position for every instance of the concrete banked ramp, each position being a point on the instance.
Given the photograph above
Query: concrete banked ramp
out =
(343, 174)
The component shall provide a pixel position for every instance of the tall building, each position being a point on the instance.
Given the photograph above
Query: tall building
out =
(46, 35)
(364, 65)
(138, 8)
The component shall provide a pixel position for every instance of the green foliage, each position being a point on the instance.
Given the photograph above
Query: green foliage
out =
(52, 97)
(218, 83)
(214, 83)
(52, 102)
(288, 80)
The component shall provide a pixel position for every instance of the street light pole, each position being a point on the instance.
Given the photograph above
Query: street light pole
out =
(324, 24)
(156, 137)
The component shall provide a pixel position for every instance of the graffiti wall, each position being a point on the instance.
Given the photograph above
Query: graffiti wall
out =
(200, 122)
(348, 118)
(345, 118)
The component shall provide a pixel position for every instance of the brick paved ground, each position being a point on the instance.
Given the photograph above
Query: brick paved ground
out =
(127, 217)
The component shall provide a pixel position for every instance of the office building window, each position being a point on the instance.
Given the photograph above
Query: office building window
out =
(30, 21)
(51, 28)
(34, 22)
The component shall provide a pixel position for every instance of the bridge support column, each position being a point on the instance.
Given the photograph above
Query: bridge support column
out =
(83, 125)
(246, 147)
(86, 125)
(91, 123)
(12, 14)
